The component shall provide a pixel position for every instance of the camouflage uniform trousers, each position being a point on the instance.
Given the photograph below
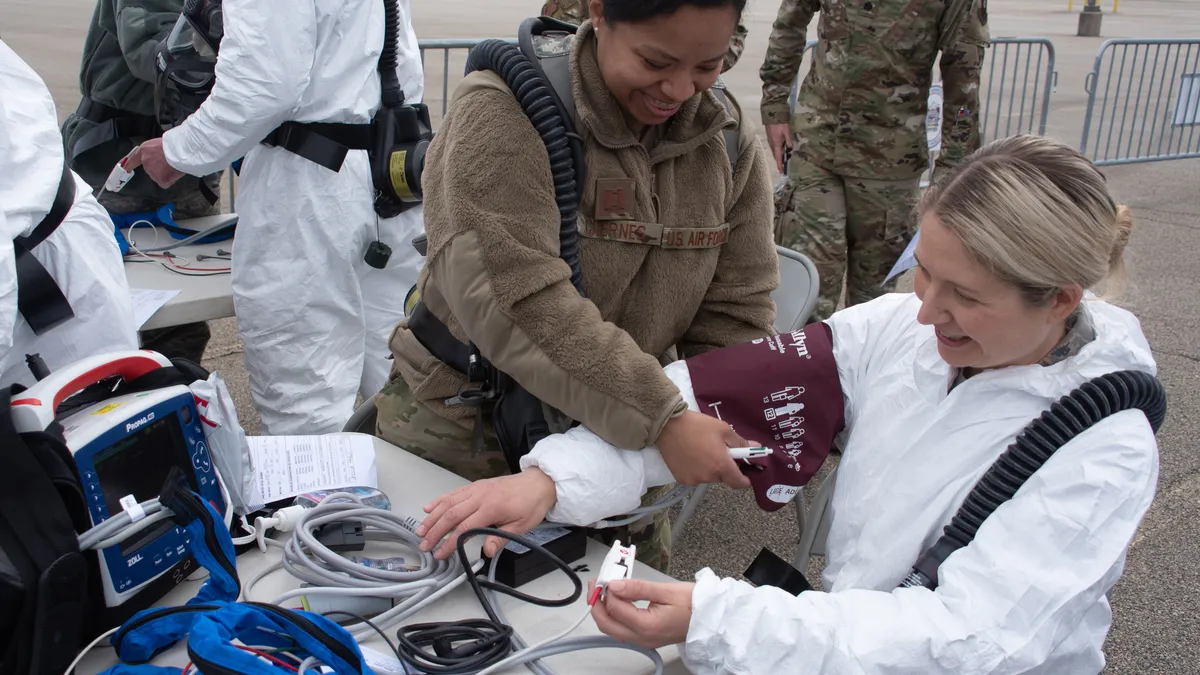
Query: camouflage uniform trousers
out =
(187, 341)
(853, 230)
(406, 423)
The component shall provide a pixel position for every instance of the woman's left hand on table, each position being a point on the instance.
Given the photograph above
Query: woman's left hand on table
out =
(515, 503)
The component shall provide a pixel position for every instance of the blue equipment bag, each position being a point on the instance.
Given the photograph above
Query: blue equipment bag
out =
(164, 218)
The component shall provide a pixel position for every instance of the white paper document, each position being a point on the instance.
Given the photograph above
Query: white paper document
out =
(290, 465)
(147, 302)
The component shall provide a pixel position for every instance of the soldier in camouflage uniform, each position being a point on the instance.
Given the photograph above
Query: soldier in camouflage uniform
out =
(858, 136)
(117, 83)
(576, 12)
(648, 222)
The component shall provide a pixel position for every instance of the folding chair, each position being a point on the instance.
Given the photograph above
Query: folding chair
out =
(813, 524)
(363, 419)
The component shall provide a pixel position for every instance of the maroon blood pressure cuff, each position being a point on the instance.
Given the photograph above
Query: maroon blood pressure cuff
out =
(782, 392)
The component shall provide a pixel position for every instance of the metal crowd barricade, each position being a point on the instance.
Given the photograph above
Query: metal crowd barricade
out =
(449, 68)
(1018, 101)
(1143, 101)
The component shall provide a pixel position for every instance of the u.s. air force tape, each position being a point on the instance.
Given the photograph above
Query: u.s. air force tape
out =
(782, 392)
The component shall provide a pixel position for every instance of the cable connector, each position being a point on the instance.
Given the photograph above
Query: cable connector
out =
(342, 535)
(618, 564)
(285, 518)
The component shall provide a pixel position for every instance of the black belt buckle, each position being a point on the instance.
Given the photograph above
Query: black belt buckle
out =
(475, 397)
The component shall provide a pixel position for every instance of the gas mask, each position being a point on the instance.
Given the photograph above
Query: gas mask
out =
(186, 62)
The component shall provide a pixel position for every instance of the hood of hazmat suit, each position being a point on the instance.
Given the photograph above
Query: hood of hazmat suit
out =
(314, 317)
(82, 254)
(1028, 595)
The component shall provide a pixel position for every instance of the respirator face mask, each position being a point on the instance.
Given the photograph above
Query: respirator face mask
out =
(186, 62)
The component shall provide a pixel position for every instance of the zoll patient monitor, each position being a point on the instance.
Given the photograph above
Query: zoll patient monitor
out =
(124, 447)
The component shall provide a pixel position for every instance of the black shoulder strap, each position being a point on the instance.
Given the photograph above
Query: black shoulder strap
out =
(553, 64)
(39, 298)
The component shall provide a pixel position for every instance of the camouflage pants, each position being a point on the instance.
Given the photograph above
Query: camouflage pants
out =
(189, 340)
(406, 423)
(853, 229)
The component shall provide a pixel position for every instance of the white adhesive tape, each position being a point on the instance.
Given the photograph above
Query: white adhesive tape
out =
(131, 506)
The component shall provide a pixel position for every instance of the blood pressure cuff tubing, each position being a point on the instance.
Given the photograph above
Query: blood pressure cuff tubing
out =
(213, 619)
(210, 542)
(150, 631)
(782, 392)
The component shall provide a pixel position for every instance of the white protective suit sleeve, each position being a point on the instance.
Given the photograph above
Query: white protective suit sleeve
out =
(1038, 564)
(81, 254)
(264, 66)
(595, 480)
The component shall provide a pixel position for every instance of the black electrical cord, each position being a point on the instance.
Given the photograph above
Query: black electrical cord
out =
(369, 624)
(1068, 417)
(458, 647)
(469, 646)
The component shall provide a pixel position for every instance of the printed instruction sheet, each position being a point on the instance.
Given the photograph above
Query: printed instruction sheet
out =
(147, 302)
(291, 465)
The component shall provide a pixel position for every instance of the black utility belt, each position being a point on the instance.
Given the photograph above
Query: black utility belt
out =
(396, 141)
(323, 143)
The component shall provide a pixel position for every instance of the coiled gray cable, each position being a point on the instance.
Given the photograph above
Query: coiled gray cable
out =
(120, 527)
(330, 573)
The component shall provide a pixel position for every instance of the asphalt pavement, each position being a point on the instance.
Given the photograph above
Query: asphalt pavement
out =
(1156, 628)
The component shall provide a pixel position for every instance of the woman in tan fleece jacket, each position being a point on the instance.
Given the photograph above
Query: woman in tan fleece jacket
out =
(677, 250)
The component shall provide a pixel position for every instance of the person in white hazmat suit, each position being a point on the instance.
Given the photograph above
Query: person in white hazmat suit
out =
(81, 254)
(936, 386)
(313, 315)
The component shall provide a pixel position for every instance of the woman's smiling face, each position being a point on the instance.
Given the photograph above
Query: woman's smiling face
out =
(653, 66)
(981, 320)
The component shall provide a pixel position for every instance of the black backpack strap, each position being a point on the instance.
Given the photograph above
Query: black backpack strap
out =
(50, 624)
(437, 339)
(39, 298)
(550, 53)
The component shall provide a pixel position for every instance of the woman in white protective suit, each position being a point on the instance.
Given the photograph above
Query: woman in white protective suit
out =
(313, 315)
(81, 255)
(936, 385)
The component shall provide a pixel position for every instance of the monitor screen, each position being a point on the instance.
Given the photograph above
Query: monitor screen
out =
(138, 465)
